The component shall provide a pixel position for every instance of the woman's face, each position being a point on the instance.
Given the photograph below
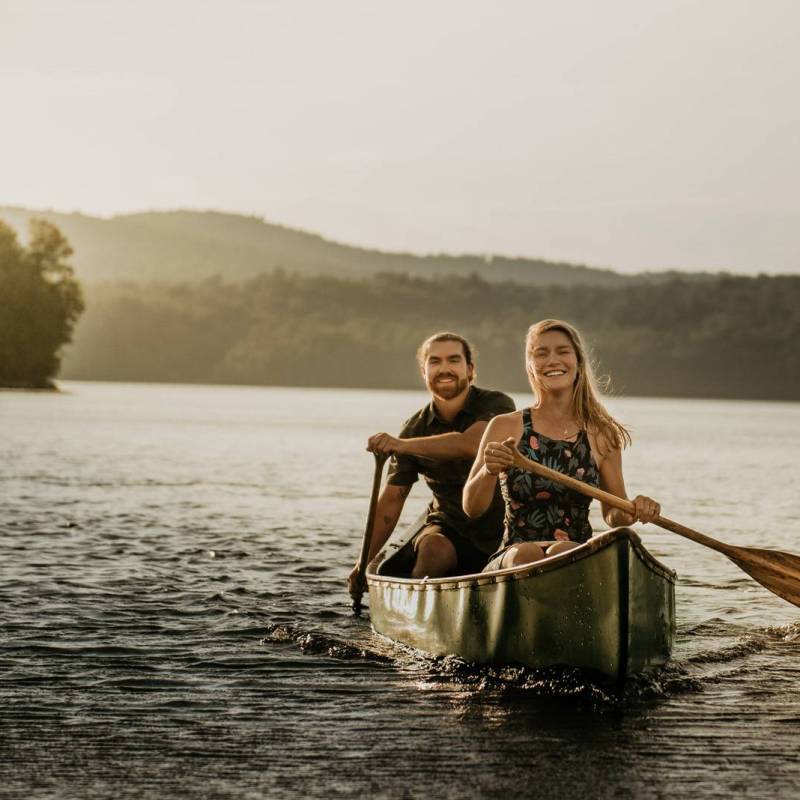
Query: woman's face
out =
(553, 362)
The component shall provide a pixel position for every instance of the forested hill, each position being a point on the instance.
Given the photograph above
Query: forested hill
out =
(726, 337)
(195, 245)
(214, 298)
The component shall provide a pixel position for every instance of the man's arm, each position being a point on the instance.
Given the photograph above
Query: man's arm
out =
(390, 506)
(387, 512)
(443, 447)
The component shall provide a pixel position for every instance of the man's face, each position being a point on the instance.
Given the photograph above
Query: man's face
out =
(446, 371)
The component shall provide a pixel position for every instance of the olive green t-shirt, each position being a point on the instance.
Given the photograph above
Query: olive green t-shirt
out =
(446, 478)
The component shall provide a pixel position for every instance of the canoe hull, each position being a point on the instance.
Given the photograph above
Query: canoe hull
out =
(607, 606)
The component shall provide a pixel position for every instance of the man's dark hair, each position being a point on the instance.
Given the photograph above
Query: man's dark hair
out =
(447, 336)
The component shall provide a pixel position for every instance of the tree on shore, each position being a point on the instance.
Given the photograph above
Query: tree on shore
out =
(40, 302)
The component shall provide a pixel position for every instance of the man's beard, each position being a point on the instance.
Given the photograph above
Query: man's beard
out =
(450, 390)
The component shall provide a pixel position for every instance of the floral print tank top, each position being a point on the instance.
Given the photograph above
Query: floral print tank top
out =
(538, 509)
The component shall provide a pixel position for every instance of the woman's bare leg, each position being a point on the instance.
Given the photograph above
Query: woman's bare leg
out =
(523, 553)
(561, 547)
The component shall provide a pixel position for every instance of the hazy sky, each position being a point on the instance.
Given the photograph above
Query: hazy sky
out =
(638, 135)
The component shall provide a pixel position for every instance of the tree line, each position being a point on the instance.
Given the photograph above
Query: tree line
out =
(721, 336)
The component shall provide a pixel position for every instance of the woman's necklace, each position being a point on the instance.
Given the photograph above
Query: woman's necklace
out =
(566, 429)
(570, 422)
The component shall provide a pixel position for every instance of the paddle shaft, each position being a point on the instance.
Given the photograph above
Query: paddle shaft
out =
(617, 502)
(357, 590)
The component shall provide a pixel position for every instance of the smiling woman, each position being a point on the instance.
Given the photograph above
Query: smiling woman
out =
(572, 433)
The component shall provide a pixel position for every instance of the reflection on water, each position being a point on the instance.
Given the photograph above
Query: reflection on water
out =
(175, 620)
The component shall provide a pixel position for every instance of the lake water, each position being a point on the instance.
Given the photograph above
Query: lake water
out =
(175, 621)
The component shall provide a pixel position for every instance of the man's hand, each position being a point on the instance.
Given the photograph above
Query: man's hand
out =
(356, 580)
(384, 443)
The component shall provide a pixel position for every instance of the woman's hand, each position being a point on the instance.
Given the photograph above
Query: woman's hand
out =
(646, 510)
(494, 455)
(498, 456)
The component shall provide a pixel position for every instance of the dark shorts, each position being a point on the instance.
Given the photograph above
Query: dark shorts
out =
(470, 559)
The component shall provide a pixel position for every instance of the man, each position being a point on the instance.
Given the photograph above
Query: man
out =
(440, 442)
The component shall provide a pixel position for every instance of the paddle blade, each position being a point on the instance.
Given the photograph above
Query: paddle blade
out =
(774, 570)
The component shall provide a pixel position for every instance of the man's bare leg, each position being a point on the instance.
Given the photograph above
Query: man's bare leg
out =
(436, 557)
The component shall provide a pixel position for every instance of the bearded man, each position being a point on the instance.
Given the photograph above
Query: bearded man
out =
(440, 442)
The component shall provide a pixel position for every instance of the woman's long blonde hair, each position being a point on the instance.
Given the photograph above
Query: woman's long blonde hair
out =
(591, 413)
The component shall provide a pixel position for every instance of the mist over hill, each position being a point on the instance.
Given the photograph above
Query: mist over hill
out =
(177, 246)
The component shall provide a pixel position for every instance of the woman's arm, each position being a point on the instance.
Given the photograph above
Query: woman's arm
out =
(495, 454)
(611, 480)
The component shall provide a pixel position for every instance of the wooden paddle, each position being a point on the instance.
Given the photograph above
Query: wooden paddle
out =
(360, 583)
(774, 570)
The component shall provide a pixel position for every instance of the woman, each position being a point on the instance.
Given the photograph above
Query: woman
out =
(567, 429)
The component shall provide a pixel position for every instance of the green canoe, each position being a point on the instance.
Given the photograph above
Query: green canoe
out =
(607, 606)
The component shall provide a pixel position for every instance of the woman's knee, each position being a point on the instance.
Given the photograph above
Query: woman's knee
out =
(561, 547)
(523, 553)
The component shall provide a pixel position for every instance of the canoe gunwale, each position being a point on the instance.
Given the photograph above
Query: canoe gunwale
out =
(587, 549)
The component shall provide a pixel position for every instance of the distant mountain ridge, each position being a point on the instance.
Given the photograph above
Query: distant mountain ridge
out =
(179, 246)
